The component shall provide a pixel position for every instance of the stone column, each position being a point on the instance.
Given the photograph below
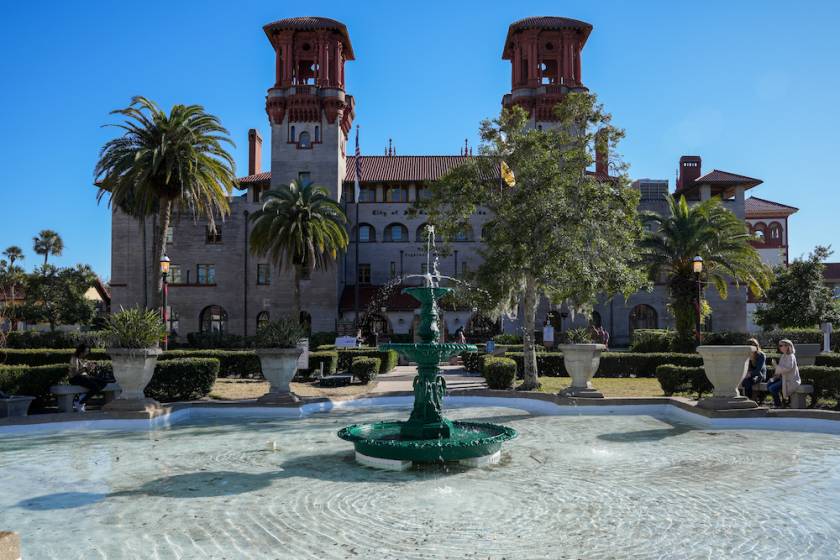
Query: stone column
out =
(725, 367)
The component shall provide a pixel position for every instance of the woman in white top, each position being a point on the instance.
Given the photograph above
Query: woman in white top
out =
(785, 380)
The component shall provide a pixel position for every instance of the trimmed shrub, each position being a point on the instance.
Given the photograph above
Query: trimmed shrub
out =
(471, 360)
(828, 360)
(329, 359)
(33, 381)
(499, 372)
(387, 358)
(44, 356)
(627, 364)
(770, 339)
(57, 339)
(365, 369)
(183, 379)
(322, 338)
(652, 340)
(826, 382)
(508, 339)
(678, 379)
(232, 363)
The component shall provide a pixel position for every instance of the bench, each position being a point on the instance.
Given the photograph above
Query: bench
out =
(797, 400)
(66, 394)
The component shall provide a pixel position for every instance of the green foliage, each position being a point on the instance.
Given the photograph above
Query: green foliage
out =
(365, 369)
(322, 338)
(46, 243)
(679, 379)
(56, 339)
(134, 327)
(614, 364)
(798, 296)
(329, 359)
(652, 340)
(44, 356)
(577, 336)
(282, 333)
(232, 363)
(499, 372)
(215, 340)
(471, 361)
(826, 382)
(32, 381)
(388, 358)
(828, 360)
(770, 339)
(57, 296)
(710, 231)
(183, 379)
(507, 338)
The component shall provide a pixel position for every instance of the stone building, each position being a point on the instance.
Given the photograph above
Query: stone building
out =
(216, 284)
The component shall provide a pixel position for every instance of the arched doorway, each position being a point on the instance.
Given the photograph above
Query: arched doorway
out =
(213, 319)
(643, 317)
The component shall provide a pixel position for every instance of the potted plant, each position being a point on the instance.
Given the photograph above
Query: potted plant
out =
(276, 344)
(581, 357)
(133, 344)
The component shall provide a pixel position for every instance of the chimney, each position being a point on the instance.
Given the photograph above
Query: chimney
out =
(690, 171)
(254, 152)
(602, 153)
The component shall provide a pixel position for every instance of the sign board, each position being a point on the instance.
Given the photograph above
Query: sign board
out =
(548, 333)
(346, 342)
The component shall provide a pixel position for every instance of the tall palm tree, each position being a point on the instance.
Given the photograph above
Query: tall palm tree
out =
(47, 243)
(13, 253)
(707, 230)
(301, 227)
(164, 163)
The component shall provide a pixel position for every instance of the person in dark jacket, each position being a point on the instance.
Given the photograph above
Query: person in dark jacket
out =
(756, 370)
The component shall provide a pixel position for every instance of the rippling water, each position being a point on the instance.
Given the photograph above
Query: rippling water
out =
(568, 487)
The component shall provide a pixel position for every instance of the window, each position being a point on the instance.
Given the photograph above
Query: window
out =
(175, 274)
(172, 321)
(317, 133)
(206, 274)
(392, 271)
(262, 319)
(424, 193)
(367, 194)
(643, 317)
(213, 319)
(364, 273)
(775, 232)
(170, 235)
(292, 133)
(396, 194)
(213, 235)
(366, 233)
(465, 234)
(303, 140)
(304, 177)
(263, 274)
(396, 233)
(257, 193)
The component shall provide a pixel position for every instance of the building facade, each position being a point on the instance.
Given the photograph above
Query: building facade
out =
(216, 284)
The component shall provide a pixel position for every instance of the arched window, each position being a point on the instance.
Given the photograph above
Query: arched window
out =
(303, 140)
(464, 234)
(262, 319)
(292, 133)
(317, 133)
(643, 317)
(775, 232)
(396, 194)
(396, 233)
(366, 233)
(213, 319)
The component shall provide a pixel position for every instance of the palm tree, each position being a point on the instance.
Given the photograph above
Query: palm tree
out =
(47, 243)
(707, 230)
(14, 253)
(299, 226)
(166, 162)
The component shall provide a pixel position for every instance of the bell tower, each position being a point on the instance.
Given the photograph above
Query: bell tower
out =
(545, 58)
(309, 111)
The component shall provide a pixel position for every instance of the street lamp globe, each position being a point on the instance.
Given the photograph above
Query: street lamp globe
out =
(697, 264)
(164, 264)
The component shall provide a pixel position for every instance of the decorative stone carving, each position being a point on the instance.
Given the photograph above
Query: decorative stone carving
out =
(279, 366)
(133, 369)
(582, 361)
(725, 367)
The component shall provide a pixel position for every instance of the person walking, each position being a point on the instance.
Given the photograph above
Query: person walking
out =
(756, 371)
(786, 378)
(80, 374)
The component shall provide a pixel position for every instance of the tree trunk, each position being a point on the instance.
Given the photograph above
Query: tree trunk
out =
(164, 215)
(296, 295)
(531, 380)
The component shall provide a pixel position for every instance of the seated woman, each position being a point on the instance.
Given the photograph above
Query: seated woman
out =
(80, 375)
(786, 379)
(757, 370)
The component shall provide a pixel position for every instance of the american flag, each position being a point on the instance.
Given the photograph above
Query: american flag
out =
(358, 167)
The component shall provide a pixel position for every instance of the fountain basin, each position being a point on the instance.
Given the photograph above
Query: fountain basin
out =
(467, 441)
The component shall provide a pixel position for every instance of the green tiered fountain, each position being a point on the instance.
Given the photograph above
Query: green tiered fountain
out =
(427, 436)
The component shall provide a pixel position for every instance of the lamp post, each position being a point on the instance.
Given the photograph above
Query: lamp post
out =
(697, 266)
(164, 272)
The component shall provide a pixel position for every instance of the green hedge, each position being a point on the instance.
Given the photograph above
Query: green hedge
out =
(828, 360)
(387, 358)
(679, 379)
(329, 359)
(232, 363)
(613, 364)
(57, 339)
(652, 340)
(365, 369)
(499, 372)
(34, 381)
(44, 356)
(471, 361)
(183, 379)
(826, 382)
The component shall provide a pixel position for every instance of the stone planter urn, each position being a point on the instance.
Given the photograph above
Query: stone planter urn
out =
(133, 369)
(725, 367)
(582, 361)
(806, 354)
(279, 366)
(15, 406)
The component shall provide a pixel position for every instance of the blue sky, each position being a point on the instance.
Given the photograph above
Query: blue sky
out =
(749, 86)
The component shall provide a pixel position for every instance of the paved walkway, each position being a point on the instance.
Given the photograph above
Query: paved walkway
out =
(400, 380)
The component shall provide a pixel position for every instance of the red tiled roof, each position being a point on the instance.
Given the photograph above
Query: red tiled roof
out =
(312, 22)
(761, 208)
(544, 22)
(726, 179)
(832, 271)
(263, 177)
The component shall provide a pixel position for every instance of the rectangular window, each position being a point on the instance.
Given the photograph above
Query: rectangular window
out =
(257, 193)
(396, 194)
(175, 274)
(393, 269)
(304, 177)
(364, 273)
(206, 273)
(424, 193)
(214, 236)
(170, 235)
(367, 194)
(263, 275)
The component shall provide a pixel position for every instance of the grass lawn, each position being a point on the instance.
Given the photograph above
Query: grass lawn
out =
(611, 387)
(229, 389)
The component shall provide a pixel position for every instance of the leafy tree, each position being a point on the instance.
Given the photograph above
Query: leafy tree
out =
(164, 163)
(798, 296)
(57, 296)
(47, 243)
(301, 227)
(710, 231)
(560, 232)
